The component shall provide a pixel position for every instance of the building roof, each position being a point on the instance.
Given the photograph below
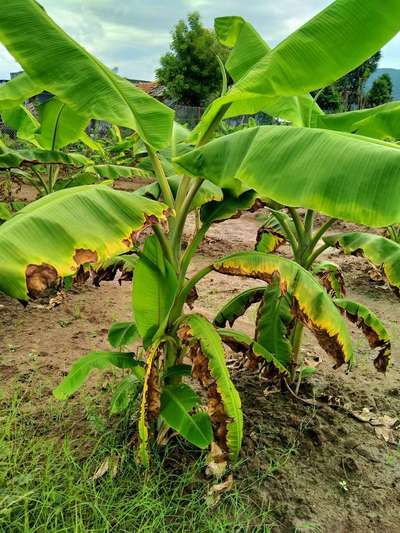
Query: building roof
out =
(153, 88)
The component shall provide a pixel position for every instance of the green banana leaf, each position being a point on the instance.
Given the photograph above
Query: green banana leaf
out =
(202, 338)
(176, 403)
(15, 158)
(16, 91)
(5, 212)
(334, 42)
(93, 360)
(60, 125)
(237, 306)
(338, 174)
(208, 192)
(56, 62)
(372, 327)
(381, 122)
(154, 289)
(310, 303)
(22, 121)
(381, 252)
(228, 207)
(122, 334)
(53, 236)
(115, 172)
(123, 395)
(273, 323)
(248, 48)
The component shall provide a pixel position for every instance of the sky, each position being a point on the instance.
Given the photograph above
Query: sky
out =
(132, 34)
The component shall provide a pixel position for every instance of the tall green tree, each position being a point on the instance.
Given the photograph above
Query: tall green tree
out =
(381, 91)
(348, 93)
(190, 71)
(351, 86)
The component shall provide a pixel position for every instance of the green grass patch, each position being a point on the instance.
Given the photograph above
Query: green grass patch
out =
(46, 480)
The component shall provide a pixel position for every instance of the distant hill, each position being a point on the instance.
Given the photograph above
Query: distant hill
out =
(393, 73)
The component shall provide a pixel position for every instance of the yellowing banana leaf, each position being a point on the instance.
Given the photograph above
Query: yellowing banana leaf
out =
(310, 303)
(237, 306)
(338, 174)
(53, 236)
(372, 327)
(150, 402)
(209, 367)
(381, 252)
(240, 342)
(56, 62)
(331, 277)
(269, 240)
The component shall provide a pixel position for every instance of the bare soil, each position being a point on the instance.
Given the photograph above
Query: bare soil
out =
(326, 471)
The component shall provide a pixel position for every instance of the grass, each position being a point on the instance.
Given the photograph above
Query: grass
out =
(46, 480)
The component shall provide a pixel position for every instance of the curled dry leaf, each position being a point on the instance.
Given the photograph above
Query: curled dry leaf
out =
(56, 300)
(39, 278)
(216, 461)
(201, 372)
(82, 256)
(214, 493)
(269, 240)
(109, 464)
(383, 425)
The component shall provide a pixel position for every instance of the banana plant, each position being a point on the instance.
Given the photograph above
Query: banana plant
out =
(341, 175)
(57, 127)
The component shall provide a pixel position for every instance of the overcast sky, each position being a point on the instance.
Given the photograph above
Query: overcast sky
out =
(132, 34)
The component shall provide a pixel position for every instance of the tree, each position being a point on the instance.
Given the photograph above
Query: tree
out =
(190, 72)
(348, 92)
(329, 99)
(381, 91)
(351, 86)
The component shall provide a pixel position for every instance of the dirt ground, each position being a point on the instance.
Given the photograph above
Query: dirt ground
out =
(326, 470)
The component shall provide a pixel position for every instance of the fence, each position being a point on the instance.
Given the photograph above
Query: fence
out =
(190, 117)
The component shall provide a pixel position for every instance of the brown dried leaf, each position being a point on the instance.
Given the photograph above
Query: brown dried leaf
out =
(57, 300)
(110, 463)
(39, 278)
(214, 493)
(363, 416)
(386, 434)
(83, 256)
(216, 461)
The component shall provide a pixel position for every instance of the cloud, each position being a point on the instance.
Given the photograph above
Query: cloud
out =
(133, 34)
